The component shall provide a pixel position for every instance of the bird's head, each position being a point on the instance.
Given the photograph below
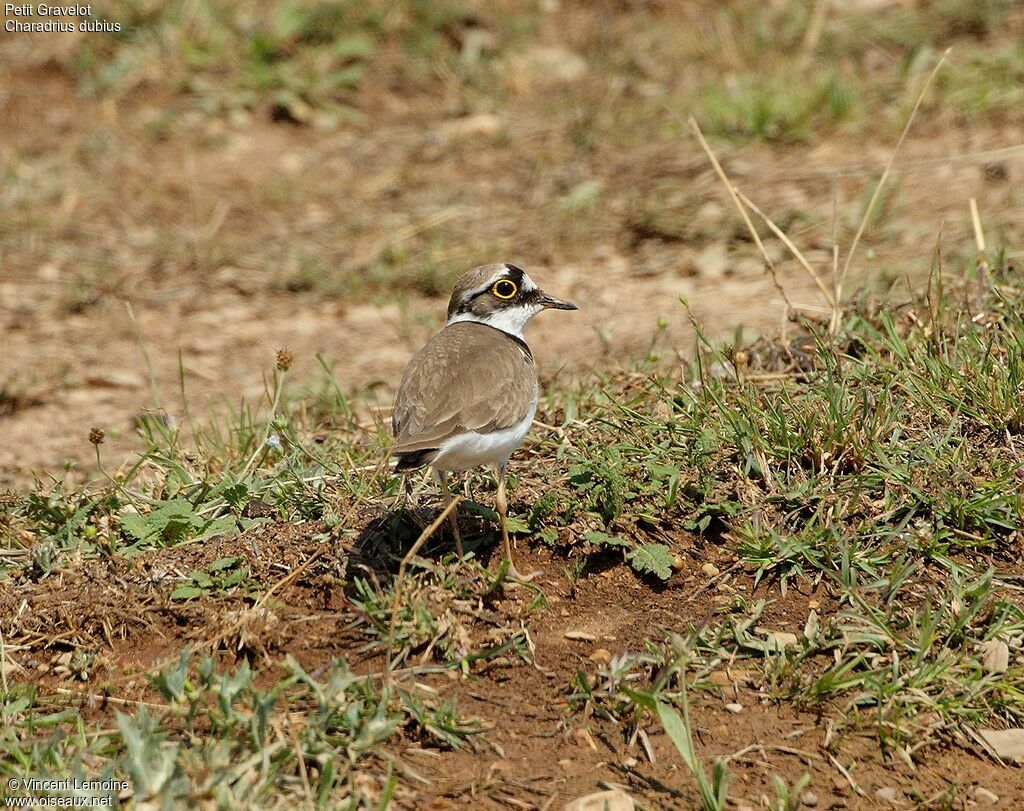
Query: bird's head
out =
(501, 296)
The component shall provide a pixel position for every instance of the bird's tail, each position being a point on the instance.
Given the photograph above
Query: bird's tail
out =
(410, 460)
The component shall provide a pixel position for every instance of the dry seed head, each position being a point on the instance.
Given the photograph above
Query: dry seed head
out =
(97, 435)
(284, 360)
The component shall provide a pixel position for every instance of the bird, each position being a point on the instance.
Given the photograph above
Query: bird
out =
(467, 399)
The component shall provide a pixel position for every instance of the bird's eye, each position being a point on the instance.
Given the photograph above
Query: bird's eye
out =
(504, 289)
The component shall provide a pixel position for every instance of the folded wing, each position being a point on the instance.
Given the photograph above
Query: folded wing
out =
(469, 377)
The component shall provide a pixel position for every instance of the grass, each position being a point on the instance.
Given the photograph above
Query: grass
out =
(218, 737)
(877, 465)
(881, 464)
(788, 71)
(300, 62)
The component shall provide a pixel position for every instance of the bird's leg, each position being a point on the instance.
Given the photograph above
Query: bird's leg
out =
(453, 517)
(502, 504)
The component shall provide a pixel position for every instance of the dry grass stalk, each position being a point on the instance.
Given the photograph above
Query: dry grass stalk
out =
(734, 194)
(424, 537)
(887, 171)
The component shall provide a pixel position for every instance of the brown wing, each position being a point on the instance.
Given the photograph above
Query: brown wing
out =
(469, 377)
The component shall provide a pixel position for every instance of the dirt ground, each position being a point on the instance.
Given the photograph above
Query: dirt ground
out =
(232, 238)
(211, 244)
(537, 754)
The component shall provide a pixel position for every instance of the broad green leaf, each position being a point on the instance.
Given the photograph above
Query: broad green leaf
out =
(137, 526)
(604, 539)
(653, 558)
(187, 593)
(222, 563)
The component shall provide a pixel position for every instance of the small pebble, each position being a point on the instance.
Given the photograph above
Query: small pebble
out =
(735, 708)
(995, 656)
(710, 570)
(602, 656)
(809, 798)
(580, 636)
(886, 795)
(613, 800)
(782, 639)
(984, 796)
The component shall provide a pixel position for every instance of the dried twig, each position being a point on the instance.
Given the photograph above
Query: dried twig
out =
(888, 170)
(847, 775)
(424, 536)
(793, 249)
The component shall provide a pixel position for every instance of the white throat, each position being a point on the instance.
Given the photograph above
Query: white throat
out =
(511, 319)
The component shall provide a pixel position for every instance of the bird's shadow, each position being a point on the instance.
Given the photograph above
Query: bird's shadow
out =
(390, 533)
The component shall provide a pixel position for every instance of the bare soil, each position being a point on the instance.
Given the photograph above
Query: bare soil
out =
(537, 752)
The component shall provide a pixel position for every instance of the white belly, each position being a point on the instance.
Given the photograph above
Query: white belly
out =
(480, 450)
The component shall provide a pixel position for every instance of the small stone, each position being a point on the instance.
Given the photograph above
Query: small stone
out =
(476, 42)
(809, 798)
(995, 656)
(10, 667)
(780, 640)
(480, 124)
(713, 261)
(113, 379)
(49, 272)
(730, 676)
(734, 708)
(887, 794)
(710, 570)
(662, 411)
(601, 656)
(584, 738)
(985, 797)
(1006, 743)
(709, 217)
(580, 636)
(747, 267)
(542, 66)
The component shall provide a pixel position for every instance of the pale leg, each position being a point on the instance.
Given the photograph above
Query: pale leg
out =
(506, 548)
(453, 517)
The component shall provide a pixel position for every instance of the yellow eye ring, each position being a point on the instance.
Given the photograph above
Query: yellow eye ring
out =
(505, 289)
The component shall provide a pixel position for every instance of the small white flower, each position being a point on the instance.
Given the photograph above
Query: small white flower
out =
(274, 442)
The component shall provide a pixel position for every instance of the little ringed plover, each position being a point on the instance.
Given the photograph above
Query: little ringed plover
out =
(467, 398)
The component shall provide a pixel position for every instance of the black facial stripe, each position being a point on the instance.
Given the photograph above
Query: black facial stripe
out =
(514, 274)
